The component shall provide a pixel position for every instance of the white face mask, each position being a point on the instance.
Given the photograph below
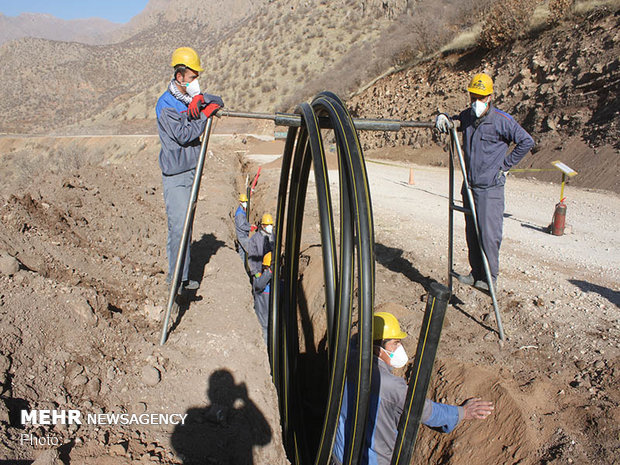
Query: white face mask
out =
(479, 107)
(244, 204)
(193, 88)
(398, 358)
(269, 229)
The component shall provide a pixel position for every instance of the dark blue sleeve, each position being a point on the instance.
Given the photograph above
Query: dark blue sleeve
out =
(259, 283)
(511, 131)
(442, 416)
(179, 127)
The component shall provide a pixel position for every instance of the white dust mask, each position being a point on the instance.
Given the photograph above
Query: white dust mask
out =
(244, 204)
(479, 107)
(398, 358)
(269, 229)
(193, 88)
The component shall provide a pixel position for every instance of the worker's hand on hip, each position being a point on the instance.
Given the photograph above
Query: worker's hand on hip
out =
(443, 123)
(210, 109)
(209, 98)
(477, 409)
(195, 106)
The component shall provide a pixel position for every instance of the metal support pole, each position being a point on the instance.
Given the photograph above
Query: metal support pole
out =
(187, 225)
(472, 205)
(361, 124)
(562, 189)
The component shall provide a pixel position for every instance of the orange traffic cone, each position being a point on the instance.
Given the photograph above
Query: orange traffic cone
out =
(411, 180)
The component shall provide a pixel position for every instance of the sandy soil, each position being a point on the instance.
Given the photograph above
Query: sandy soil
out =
(81, 318)
(553, 379)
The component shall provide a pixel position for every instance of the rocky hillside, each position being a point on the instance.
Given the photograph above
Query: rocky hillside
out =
(89, 31)
(262, 56)
(561, 84)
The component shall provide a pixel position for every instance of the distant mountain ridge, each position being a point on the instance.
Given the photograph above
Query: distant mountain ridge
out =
(94, 31)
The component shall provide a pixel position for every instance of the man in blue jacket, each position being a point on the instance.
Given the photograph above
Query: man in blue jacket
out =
(487, 134)
(182, 113)
(387, 400)
(242, 226)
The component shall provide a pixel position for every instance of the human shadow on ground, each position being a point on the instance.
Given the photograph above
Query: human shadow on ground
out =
(609, 294)
(201, 252)
(392, 258)
(226, 430)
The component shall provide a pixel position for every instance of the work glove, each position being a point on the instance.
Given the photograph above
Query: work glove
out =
(210, 109)
(502, 173)
(443, 123)
(195, 106)
(209, 98)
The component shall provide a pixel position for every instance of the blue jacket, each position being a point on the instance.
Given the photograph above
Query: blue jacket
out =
(242, 226)
(179, 136)
(387, 400)
(485, 143)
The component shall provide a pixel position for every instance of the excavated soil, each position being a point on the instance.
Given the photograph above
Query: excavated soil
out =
(81, 316)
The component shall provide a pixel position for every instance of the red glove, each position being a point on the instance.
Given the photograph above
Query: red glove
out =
(211, 109)
(197, 104)
(253, 228)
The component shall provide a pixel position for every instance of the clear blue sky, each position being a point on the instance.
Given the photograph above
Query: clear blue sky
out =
(119, 11)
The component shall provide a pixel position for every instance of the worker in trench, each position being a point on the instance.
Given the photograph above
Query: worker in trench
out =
(182, 113)
(260, 243)
(487, 134)
(387, 399)
(261, 286)
(242, 227)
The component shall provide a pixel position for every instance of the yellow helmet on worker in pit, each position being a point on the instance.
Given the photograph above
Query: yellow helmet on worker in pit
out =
(186, 56)
(243, 198)
(481, 84)
(386, 326)
(267, 219)
(267, 259)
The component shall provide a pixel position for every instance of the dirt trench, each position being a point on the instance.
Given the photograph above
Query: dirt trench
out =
(81, 316)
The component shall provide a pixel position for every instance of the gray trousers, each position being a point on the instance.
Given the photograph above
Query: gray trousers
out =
(177, 192)
(490, 212)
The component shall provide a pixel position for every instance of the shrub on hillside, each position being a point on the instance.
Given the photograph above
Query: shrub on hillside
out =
(505, 22)
(559, 9)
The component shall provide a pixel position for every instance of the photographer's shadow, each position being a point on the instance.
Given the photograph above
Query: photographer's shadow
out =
(224, 432)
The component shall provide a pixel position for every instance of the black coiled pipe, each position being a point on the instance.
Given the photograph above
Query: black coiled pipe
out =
(303, 149)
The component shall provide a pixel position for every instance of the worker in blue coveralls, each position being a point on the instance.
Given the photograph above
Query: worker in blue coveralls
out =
(182, 113)
(387, 400)
(260, 243)
(242, 226)
(487, 134)
(261, 286)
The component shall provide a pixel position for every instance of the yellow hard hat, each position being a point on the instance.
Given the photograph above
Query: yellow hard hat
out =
(267, 259)
(481, 84)
(385, 326)
(186, 56)
(243, 198)
(267, 219)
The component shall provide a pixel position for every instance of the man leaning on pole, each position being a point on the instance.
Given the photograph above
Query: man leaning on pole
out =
(182, 113)
(487, 134)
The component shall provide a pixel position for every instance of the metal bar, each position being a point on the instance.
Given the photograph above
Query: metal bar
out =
(362, 124)
(458, 208)
(485, 261)
(187, 225)
(451, 220)
(562, 189)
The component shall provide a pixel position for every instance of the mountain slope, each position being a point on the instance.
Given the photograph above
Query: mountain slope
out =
(44, 26)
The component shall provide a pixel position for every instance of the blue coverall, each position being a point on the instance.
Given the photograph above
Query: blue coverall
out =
(261, 286)
(485, 143)
(242, 228)
(180, 149)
